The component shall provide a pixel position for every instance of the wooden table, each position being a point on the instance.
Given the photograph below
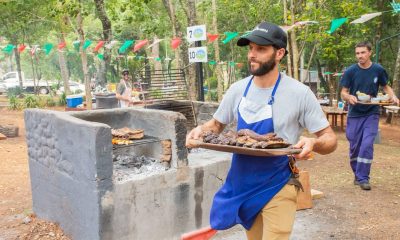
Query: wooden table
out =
(392, 111)
(334, 112)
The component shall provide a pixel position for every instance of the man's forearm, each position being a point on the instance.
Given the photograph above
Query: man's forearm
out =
(326, 142)
(213, 125)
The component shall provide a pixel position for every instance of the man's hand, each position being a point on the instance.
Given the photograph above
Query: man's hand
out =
(194, 134)
(307, 145)
(352, 99)
(395, 100)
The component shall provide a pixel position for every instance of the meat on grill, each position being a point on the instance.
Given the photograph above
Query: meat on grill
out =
(245, 138)
(127, 133)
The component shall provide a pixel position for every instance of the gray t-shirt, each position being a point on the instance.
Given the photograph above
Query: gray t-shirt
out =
(295, 107)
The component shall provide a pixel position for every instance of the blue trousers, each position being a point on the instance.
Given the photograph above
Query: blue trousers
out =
(361, 133)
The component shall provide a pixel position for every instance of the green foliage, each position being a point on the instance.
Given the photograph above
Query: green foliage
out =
(15, 91)
(31, 101)
(62, 101)
(156, 93)
(50, 102)
(14, 104)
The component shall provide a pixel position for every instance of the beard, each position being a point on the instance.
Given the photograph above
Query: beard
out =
(265, 67)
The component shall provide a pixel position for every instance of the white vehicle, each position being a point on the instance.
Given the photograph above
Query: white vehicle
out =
(3, 88)
(11, 80)
(74, 87)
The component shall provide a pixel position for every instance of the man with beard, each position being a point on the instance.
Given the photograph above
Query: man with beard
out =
(260, 192)
(363, 120)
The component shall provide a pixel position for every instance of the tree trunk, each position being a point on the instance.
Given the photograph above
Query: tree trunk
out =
(378, 35)
(218, 69)
(106, 23)
(192, 68)
(396, 75)
(155, 52)
(63, 67)
(289, 56)
(18, 62)
(293, 43)
(175, 27)
(84, 62)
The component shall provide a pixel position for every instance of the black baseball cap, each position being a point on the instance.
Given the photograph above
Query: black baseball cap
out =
(125, 71)
(265, 34)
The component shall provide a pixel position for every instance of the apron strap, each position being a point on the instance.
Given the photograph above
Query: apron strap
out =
(271, 100)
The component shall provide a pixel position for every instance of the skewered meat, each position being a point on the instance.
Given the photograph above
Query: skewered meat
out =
(127, 133)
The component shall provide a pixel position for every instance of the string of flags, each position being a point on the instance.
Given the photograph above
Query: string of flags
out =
(175, 42)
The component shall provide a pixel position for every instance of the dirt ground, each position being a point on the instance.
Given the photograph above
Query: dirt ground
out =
(346, 211)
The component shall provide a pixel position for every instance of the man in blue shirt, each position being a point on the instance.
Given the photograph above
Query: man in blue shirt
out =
(363, 120)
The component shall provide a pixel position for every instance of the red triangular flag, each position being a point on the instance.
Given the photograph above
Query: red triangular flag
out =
(21, 47)
(140, 44)
(212, 37)
(175, 42)
(61, 45)
(239, 65)
(98, 46)
(201, 234)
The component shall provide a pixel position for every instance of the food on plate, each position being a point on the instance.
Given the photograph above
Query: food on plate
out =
(245, 138)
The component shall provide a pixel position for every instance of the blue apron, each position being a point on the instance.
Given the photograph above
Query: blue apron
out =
(251, 181)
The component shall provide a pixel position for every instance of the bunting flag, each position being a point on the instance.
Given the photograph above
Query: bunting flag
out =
(77, 45)
(140, 44)
(158, 59)
(98, 46)
(366, 17)
(232, 64)
(9, 48)
(21, 48)
(288, 28)
(336, 23)
(306, 22)
(33, 50)
(61, 45)
(395, 6)
(239, 65)
(212, 62)
(47, 48)
(154, 43)
(125, 46)
(175, 42)
(86, 44)
(100, 56)
(229, 36)
(212, 37)
(111, 44)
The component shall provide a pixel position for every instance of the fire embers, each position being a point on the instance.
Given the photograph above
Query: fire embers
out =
(245, 138)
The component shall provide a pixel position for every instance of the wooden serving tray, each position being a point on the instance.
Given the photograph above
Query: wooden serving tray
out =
(262, 152)
(377, 104)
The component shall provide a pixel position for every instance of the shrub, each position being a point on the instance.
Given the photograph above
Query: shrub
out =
(15, 91)
(30, 101)
(62, 101)
(50, 102)
(14, 103)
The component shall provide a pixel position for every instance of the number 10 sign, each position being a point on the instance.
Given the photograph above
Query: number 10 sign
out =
(198, 54)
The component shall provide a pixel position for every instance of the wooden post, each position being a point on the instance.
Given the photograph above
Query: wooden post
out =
(304, 199)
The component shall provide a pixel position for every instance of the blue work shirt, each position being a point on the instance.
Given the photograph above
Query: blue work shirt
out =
(366, 81)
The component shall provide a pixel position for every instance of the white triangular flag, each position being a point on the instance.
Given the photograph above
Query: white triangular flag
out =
(366, 17)
(154, 43)
(111, 44)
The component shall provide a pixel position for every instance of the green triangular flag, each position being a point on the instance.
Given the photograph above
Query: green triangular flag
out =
(100, 56)
(229, 36)
(9, 48)
(157, 59)
(232, 64)
(86, 44)
(125, 46)
(327, 73)
(47, 48)
(212, 62)
(76, 44)
(336, 23)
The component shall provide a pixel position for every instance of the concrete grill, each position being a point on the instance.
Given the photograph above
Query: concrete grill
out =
(96, 192)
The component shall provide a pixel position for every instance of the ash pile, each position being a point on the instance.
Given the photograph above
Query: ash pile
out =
(127, 166)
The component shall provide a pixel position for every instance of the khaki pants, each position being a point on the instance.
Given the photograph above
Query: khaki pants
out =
(275, 220)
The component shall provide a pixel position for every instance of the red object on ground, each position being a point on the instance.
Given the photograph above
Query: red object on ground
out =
(201, 234)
